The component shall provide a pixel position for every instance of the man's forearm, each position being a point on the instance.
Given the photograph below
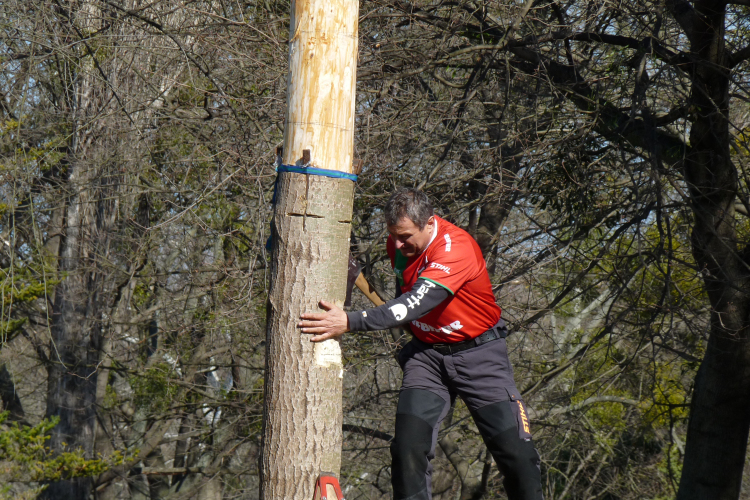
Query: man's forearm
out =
(423, 298)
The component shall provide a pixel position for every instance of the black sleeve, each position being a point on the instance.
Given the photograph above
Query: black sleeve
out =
(421, 299)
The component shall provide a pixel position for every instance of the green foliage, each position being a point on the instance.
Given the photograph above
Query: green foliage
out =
(25, 456)
(153, 390)
(670, 468)
(572, 212)
(6, 493)
(10, 327)
(19, 287)
(670, 398)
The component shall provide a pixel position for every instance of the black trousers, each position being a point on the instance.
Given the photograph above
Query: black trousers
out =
(483, 378)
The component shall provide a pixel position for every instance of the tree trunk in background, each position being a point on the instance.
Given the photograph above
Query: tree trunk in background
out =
(302, 423)
(720, 408)
(76, 318)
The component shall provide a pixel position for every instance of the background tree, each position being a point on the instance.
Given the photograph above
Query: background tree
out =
(161, 278)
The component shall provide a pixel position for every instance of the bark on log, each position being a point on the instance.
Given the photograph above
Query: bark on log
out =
(312, 222)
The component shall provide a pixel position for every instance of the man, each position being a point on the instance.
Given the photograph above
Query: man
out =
(444, 294)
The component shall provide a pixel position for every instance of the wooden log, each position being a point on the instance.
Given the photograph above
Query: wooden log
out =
(302, 432)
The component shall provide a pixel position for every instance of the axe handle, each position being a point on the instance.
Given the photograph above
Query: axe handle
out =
(369, 291)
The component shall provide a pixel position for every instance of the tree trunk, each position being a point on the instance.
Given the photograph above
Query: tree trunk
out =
(302, 424)
(720, 409)
(75, 325)
(76, 337)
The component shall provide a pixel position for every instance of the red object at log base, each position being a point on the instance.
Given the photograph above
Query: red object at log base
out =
(327, 487)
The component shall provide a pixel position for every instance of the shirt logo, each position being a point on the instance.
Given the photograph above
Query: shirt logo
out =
(414, 301)
(399, 311)
(441, 267)
(447, 243)
(456, 325)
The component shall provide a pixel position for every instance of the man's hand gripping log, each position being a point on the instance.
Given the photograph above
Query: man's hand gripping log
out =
(334, 323)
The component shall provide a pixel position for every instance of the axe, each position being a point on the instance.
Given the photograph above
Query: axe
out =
(355, 277)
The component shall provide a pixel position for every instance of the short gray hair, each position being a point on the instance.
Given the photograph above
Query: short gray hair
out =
(410, 203)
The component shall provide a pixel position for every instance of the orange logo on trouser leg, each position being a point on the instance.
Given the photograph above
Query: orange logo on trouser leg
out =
(524, 418)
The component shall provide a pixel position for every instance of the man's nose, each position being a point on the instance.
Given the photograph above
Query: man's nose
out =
(399, 244)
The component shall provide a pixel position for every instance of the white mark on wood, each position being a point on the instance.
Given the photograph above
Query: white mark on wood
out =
(328, 353)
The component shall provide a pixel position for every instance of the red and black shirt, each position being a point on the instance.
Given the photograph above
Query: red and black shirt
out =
(454, 261)
(446, 291)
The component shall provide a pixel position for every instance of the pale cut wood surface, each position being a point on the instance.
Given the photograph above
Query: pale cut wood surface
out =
(321, 83)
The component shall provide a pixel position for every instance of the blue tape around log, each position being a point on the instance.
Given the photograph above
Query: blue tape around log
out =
(316, 171)
(307, 171)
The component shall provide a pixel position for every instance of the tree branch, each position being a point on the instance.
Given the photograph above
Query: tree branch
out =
(648, 44)
(610, 121)
(366, 431)
(593, 400)
(685, 16)
(739, 56)
(176, 471)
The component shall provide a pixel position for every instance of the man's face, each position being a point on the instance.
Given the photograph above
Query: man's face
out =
(409, 239)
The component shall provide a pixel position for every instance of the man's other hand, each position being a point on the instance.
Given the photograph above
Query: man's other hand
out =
(328, 325)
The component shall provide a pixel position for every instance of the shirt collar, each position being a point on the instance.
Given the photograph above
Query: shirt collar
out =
(434, 235)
